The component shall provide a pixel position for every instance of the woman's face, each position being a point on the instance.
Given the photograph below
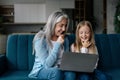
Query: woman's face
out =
(60, 27)
(84, 33)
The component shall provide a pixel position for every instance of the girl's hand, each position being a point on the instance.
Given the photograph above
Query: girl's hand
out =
(86, 44)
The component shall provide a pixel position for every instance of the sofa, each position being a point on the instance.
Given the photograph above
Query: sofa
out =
(18, 60)
(109, 54)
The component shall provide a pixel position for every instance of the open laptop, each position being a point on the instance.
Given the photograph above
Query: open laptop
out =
(79, 62)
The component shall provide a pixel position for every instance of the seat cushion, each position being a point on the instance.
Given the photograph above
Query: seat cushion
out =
(114, 74)
(19, 52)
(2, 63)
(16, 75)
(108, 46)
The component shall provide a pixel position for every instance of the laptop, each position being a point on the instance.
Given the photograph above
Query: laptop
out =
(79, 62)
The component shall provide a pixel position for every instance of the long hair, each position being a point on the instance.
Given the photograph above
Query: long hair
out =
(78, 43)
(48, 30)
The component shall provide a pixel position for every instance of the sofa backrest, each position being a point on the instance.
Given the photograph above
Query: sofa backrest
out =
(19, 51)
(109, 50)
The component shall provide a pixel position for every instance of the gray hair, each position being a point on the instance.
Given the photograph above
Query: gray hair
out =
(48, 29)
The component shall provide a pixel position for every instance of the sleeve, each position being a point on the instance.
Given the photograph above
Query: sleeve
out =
(46, 57)
(96, 50)
(72, 49)
(97, 59)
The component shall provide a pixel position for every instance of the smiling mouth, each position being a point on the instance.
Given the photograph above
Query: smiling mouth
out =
(84, 38)
(63, 32)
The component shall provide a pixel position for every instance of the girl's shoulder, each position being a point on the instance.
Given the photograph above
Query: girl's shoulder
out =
(73, 47)
(73, 44)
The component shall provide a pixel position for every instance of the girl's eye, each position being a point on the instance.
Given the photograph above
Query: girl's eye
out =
(81, 32)
(84, 32)
(87, 32)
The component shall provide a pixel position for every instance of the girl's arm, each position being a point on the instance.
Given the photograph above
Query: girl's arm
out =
(72, 48)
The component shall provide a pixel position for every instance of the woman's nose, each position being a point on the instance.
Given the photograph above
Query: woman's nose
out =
(63, 28)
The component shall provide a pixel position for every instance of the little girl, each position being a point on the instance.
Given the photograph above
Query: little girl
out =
(85, 43)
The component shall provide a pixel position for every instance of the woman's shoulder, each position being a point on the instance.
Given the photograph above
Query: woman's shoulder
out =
(40, 40)
(39, 35)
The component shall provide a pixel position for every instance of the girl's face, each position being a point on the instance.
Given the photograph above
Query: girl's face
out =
(60, 27)
(84, 33)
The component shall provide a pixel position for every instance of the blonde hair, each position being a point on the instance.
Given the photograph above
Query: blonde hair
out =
(78, 44)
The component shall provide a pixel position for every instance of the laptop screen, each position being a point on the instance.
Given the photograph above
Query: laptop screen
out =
(80, 62)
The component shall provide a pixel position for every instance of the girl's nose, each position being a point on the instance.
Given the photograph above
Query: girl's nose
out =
(84, 34)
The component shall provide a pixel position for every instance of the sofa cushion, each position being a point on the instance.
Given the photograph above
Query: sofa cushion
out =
(103, 46)
(114, 74)
(16, 75)
(108, 48)
(19, 52)
(114, 41)
(2, 63)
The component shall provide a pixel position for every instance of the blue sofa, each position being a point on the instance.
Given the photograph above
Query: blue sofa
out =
(18, 61)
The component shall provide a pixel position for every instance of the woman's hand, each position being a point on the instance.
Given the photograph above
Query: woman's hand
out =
(61, 39)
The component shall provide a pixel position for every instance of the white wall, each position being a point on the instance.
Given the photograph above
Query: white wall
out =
(111, 8)
(30, 13)
(49, 7)
(21, 1)
(3, 40)
(53, 5)
(67, 3)
(98, 14)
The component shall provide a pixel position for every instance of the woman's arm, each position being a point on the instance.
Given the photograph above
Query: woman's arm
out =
(46, 57)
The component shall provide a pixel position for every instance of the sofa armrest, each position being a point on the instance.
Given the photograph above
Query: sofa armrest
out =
(2, 63)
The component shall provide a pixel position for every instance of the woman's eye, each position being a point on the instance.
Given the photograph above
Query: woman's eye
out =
(60, 25)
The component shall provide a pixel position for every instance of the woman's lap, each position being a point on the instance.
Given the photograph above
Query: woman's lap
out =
(50, 74)
(56, 74)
